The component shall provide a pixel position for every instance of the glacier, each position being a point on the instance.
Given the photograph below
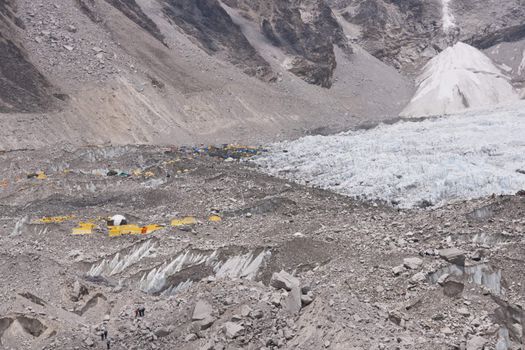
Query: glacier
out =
(470, 155)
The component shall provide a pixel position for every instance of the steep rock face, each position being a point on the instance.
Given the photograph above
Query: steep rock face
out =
(132, 10)
(397, 32)
(406, 34)
(22, 87)
(208, 23)
(305, 30)
(486, 23)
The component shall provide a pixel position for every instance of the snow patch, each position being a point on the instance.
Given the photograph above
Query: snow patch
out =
(521, 68)
(459, 78)
(472, 155)
(448, 19)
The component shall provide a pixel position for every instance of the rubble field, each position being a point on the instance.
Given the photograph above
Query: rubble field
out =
(237, 259)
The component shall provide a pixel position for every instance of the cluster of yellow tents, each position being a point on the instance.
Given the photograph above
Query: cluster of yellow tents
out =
(89, 227)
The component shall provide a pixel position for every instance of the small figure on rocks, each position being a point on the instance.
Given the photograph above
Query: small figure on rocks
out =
(108, 343)
(142, 310)
(104, 333)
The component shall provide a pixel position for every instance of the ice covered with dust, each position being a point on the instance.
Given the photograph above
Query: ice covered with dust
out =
(120, 262)
(459, 78)
(466, 156)
(237, 266)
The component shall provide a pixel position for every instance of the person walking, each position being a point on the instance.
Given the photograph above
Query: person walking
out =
(104, 333)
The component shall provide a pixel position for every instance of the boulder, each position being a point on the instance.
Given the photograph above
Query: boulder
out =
(452, 288)
(79, 290)
(206, 323)
(162, 332)
(453, 255)
(476, 343)
(202, 310)
(398, 270)
(89, 342)
(396, 317)
(245, 310)
(275, 300)
(418, 278)
(306, 299)
(443, 278)
(292, 303)
(191, 337)
(257, 314)
(233, 330)
(412, 263)
(283, 280)
(463, 311)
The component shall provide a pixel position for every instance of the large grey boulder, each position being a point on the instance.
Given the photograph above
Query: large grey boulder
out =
(453, 255)
(202, 314)
(202, 311)
(452, 288)
(233, 330)
(78, 291)
(283, 280)
(476, 343)
(292, 303)
(412, 263)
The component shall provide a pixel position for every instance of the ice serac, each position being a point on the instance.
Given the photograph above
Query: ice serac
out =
(436, 161)
(459, 78)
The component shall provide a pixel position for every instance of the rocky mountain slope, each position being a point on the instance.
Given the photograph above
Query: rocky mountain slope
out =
(152, 71)
(22, 86)
(407, 33)
(196, 71)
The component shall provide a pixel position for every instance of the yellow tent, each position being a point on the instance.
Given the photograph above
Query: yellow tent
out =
(188, 220)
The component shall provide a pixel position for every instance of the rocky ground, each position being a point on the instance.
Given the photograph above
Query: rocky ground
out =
(266, 264)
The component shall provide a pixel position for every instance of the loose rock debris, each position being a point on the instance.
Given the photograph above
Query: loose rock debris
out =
(358, 275)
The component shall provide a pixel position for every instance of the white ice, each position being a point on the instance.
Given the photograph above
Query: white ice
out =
(121, 262)
(521, 68)
(465, 156)
(459, 78)
(239, 266)
(448, 19)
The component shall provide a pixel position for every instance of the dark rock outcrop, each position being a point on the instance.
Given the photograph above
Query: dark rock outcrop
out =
(216, 33)
(406, 33)
(132, 10)
(22, 87)
(397, 32)
(306, 30)
(486, 23)
(90, 9)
